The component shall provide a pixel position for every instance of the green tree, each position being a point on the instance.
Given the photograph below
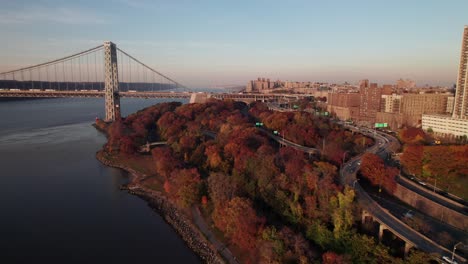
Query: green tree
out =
(342, 215)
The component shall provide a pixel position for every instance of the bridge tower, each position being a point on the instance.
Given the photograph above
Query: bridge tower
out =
(111, 82)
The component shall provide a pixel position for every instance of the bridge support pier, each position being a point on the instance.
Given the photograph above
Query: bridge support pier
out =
(381, 230)
(408, 246)
(111, 82)
(364, 217)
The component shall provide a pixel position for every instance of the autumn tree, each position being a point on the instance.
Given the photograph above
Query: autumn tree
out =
(165, 161)
(185, 186)
(221, 188)
(343, 213)
(373, 169)
(412, 159)
(412, 135)
(331, 257)
(239, 221)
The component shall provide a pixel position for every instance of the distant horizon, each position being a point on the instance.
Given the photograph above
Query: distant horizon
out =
(213, 43)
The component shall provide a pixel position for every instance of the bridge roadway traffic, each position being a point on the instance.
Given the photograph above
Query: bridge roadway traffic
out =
(89, 93)
(406, 233)
(49, 93)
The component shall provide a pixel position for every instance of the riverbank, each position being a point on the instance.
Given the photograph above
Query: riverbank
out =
(169, 211)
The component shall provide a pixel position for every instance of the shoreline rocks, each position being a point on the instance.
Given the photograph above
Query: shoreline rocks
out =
(171, 214)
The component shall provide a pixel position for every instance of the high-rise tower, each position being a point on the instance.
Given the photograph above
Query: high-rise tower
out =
(460, 106)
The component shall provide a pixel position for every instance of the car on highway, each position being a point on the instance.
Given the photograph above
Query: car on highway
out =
(422, 183)
(409, 214)
(448, 260)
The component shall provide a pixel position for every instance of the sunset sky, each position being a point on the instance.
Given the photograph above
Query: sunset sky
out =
(220, 43)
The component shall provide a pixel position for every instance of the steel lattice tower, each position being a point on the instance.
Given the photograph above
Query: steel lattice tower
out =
(111, 82)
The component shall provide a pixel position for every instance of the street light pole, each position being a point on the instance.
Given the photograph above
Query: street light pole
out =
(454, 248)
(354, 183)
(344, 156)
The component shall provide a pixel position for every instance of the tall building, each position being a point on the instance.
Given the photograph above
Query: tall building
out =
(369, 102)
(390, 103)
(413, 106)
(460, 109)
(344, 105)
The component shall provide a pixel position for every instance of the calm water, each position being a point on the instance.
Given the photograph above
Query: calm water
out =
(58, 204)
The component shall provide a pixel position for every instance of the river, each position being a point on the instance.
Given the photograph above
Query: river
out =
(58, 204)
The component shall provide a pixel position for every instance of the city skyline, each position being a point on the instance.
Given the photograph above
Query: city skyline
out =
(211, 44)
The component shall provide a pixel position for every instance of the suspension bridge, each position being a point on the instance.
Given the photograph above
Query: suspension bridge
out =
(92, 73)
(103, 71)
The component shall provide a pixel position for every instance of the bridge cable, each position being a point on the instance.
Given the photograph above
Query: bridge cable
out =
(63, 74)
(47, 75)
(14, 79)
(39, 73)
(79, 70)
(152, 83)
(30, 77)
(151, 69)
(95, 69)
(55, 61)
(87, 70)
(128, 73)
(119, 67)
(71, 71)
(55, 78)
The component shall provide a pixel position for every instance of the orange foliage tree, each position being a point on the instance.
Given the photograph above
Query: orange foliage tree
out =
(374, 170)
(239, 221)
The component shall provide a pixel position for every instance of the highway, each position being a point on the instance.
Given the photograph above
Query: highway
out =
(425, 191)
(348, 177)
(415, 187)
(289, 143)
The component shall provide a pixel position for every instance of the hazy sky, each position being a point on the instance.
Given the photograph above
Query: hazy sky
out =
(216, 43)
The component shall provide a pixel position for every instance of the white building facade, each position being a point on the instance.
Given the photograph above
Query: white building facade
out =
(445, 125)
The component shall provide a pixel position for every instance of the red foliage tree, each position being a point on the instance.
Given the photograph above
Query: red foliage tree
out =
(412, 135)
(239, 222)
(165, 161)
(330, 257)
(185, 186)
(374, 170)
(127, 145)
(412, 159)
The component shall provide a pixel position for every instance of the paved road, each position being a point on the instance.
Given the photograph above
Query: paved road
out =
(432, 196)
(289, 143)
(424, 191)
(348, 176)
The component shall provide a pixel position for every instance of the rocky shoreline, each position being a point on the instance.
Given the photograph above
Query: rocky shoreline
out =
(171, 214)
